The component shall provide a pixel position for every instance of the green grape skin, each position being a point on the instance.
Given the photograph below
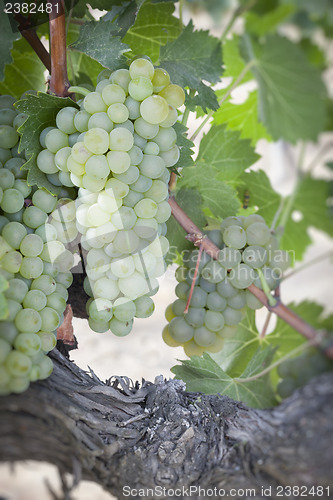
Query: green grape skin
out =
(215, 236)
(271, 276)
(242, 276)
(144, 307)
(180, 330)
(191, 348)
(232, 316)
(124, 309)
(35, 299)
(181, 290)
(213, 272)
(204, 337)
(214, 320)
(258, 234)
(178, 307)
(199, 297)
(279, 260)
(27, 343)
(230, 221)
(229, 257)
(168, 339)
(206, 285)
(181, 273)
(18, 364)
(255, 256)
(251, 219)
(191, 260)
(235, 237)
(251, 301)
(5, 349)
(169, 314)
(195, 316)
(17, 290)
(215, 302)
(238, 301)
(120, 328)
(12, 201)
(227, 332)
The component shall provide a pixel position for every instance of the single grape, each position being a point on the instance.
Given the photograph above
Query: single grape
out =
(229, 257)
(258, 234)
(242, 276)
(204, 337)
(120, 328)
(180, 330)
(168, 339)
(216, 302)
(195, 316)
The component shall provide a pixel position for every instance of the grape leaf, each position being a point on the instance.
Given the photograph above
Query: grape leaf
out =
(185, 145)
(204, 375)
(233, 61)
(261, 194)
(242, 117)
(123, 16)
(193, 57)
(216, 195)
(24, 73)
(291, 92)
(100, 40)
(154, 26)
(7, 38)
(41, 110)
(262, 24)
(226, 152)
(190, 201)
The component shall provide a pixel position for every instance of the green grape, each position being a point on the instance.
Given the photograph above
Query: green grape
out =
(151, 148)
(140, 88)
(121, 77)
(234, 236)
(178, 307)
(18, 364)
(199, 297)
(238, 301)
(100, 120)
(217, 346)
(232, 316)
(112, 94)
(93, 103)
(81, 120)
(242, 276)
(154, 109)
(214, 320)
(171, 156)
(8, 330)
(65, 120)
(136, 155)
(195, 316)
(34, 217)
(120, 328)
(151, 166)
(160, 80)
(180, 330)
(28, 320)
(124, 309)
(215, 302)
(191, 348)
(227, 332)
(130, 176)
(47, 232)
(5, 349)
(7, 116)
(65, 278)
(141, 67)
(169, 315)
(204, 337)
(213, 272)
(97, 167)
(96, 141)
(254, 256)
(133, 107)
(145, 130)
(17, 290)
(118, 113)
(229, 257)
(166, 138)
(174, 95)
(27, 343)
(271, 276)
(61, 158)
(142, 184)
(56, 139)
(48, 341)
(12, 261)
(258, 234)
(146, 208)
(144, 307)
(12, 201)
(31, 245)
(31, 267)
(8, 136)
(56, 302)
(163, 212)
(14, 232)
(181, 290)
(279, 260)
(206, 285)
(133, 286)
(251, 301)
(7, 179)
(126, 241)
(251, 219)
(45, 367)
(13, 308)
(119, 161)
(97, 326)
(44, 283)
(50, 319)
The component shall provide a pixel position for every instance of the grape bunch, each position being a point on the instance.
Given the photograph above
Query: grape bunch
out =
(34, 264)
(297, 372)
(116, 150)
(248, 254)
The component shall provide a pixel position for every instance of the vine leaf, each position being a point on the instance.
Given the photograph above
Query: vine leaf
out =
(7, 38)
(185, 145)
(101, 41)
(41, 110)
(190, 201)
(262, 24)
(217, 196)
(291, 92)
(204, 374)
(25, 71)
(223, 150)
(193, 57)
(154, 26)
(242, 117)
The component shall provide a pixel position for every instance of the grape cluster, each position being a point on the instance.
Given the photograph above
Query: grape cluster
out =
(116, 150)
(248, 254)
(297, 372)
(34, 264)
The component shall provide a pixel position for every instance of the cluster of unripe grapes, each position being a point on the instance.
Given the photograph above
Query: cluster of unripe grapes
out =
(248, 254)
(297, 372)
(116, 151)
(34, 264)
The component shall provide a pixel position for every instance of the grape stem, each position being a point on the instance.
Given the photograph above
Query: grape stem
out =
(195, 235)
(59, 83)
(267, 321)
(271, 300)
(79, 90)
(194, 279)
(32, 38)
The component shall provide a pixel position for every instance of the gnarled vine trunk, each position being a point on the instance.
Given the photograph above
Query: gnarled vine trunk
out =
(159, 435)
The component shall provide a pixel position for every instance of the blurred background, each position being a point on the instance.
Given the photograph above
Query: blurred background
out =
(143, 354)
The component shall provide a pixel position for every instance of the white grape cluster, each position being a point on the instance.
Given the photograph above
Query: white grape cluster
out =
(34, 264)
(249, 254)
(124, 142)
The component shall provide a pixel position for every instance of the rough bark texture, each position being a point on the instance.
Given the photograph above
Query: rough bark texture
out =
(119, 434)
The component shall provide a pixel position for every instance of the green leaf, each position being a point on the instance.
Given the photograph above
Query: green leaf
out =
(193, 57)
(267, 23)
(291, 92)
(26, 72)
(100, 40)
(3, 306)
(314, 54)
(155, 25)
(226, 152)
(7, 38)
(41, 110)
(242, 117)
(190, 201)
(233, 60)
(261, 194)
(185, 145)
(204, 375)
(216, 195)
